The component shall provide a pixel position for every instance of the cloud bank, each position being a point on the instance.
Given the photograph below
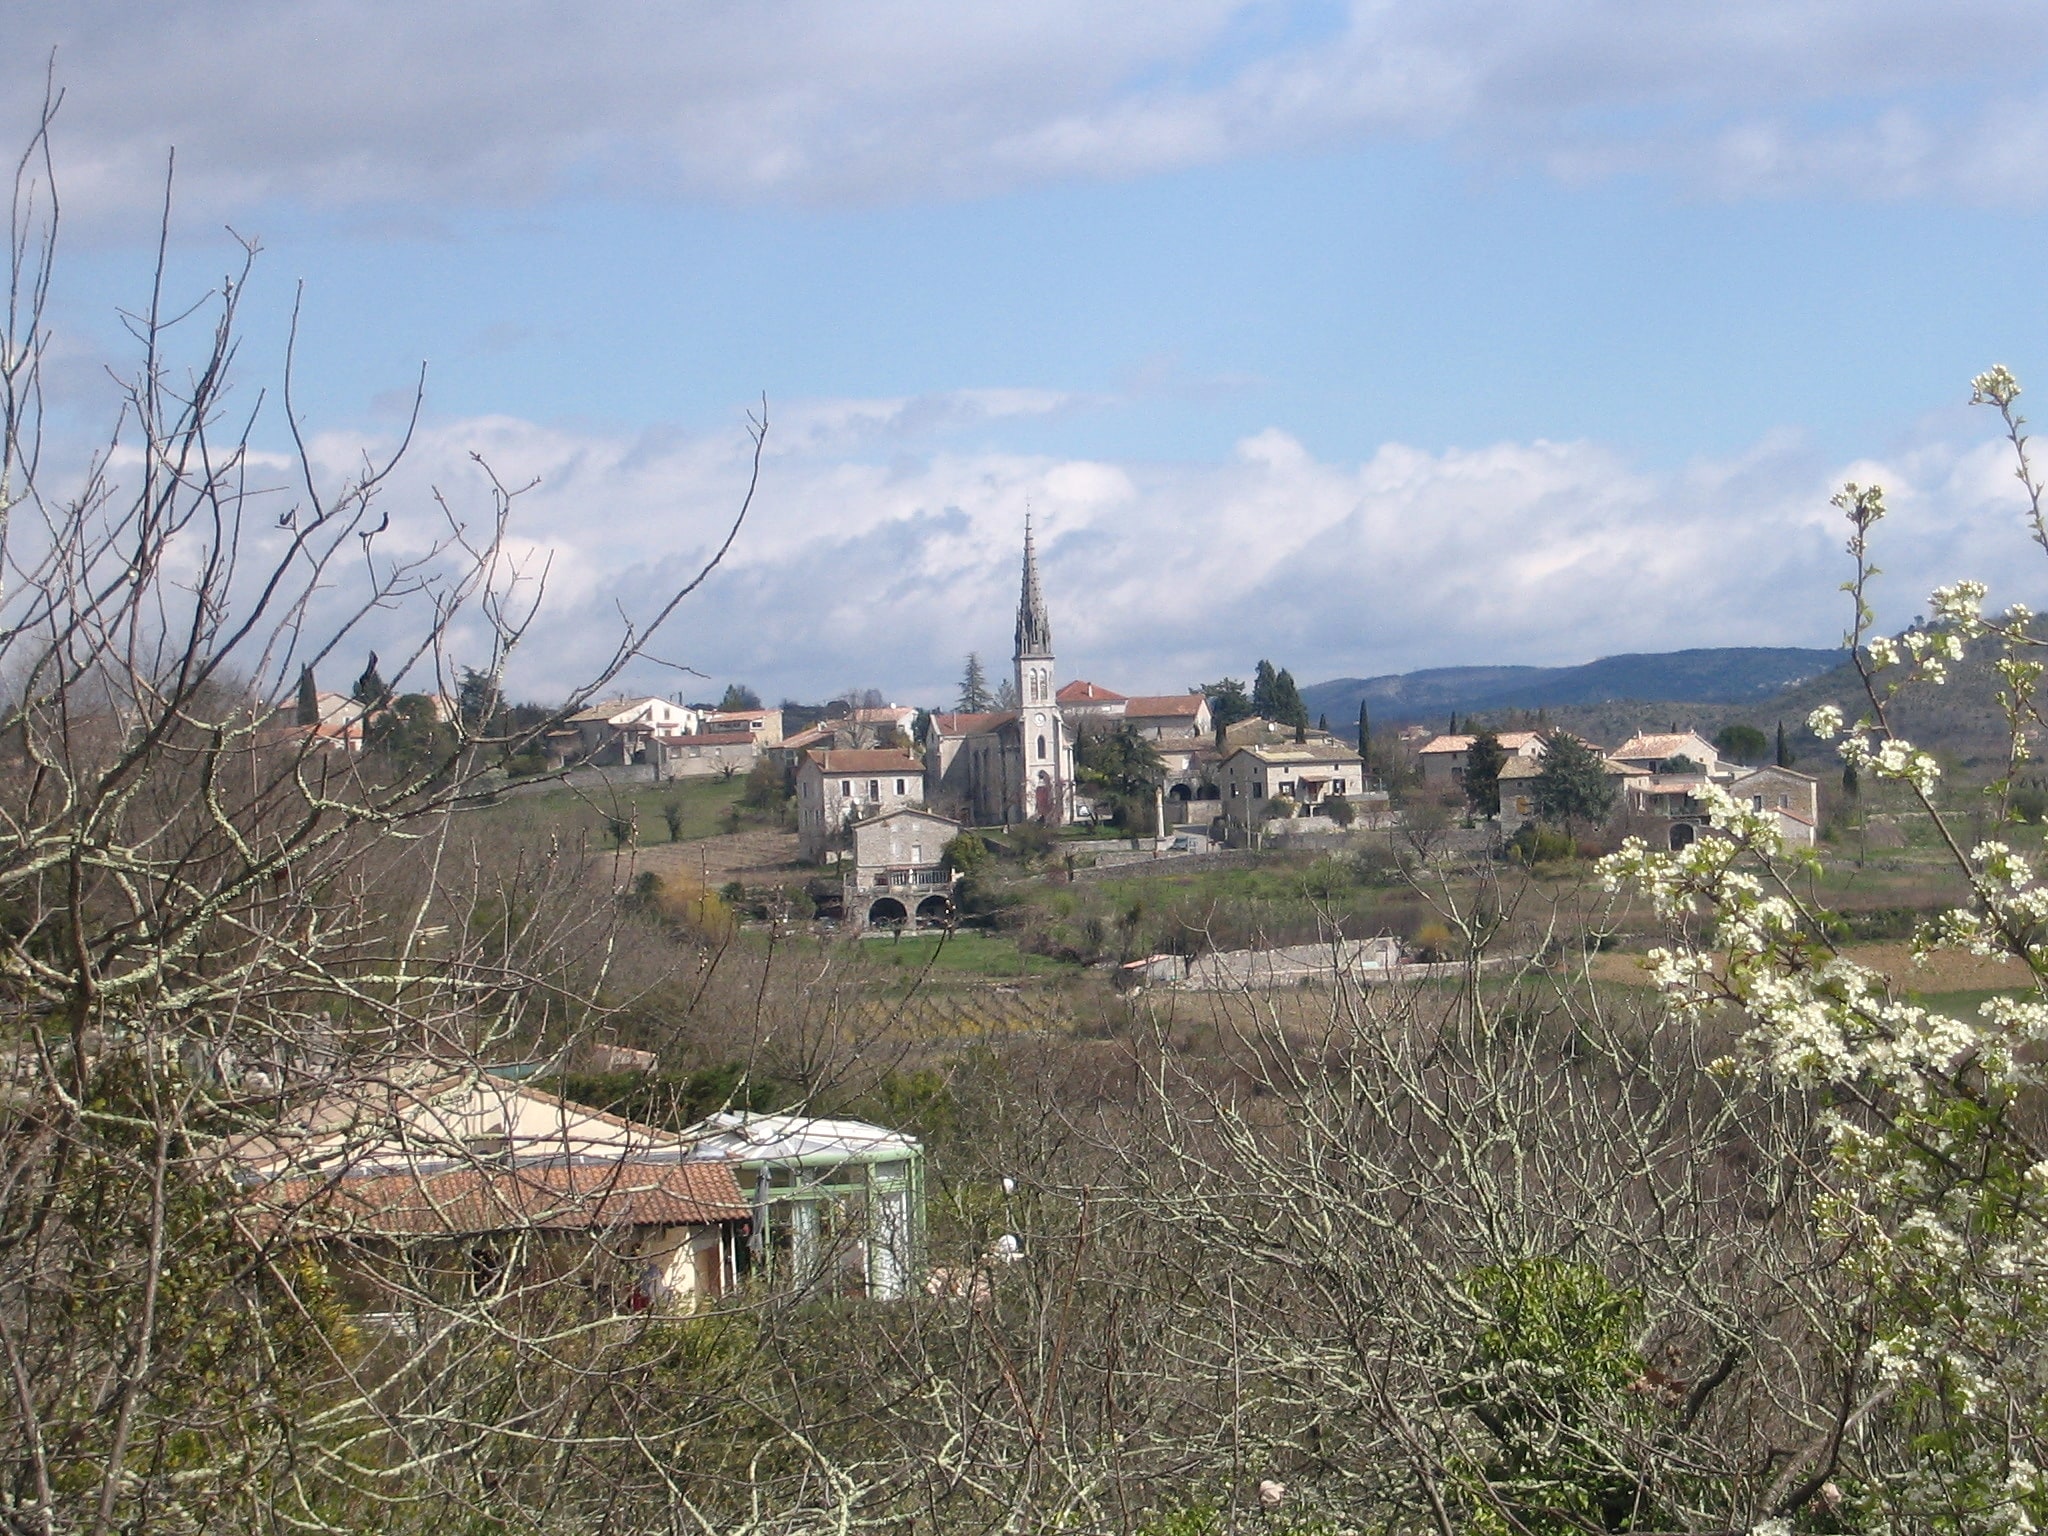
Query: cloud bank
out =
(877, 556)
(344, 103)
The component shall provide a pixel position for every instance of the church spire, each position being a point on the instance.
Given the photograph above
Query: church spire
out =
(1034, 629)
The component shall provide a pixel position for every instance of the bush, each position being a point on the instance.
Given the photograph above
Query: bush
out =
(1340, 811)
(1537, 844)
(1433, 941)
(967, 854)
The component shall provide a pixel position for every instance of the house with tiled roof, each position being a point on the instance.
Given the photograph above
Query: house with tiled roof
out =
(1442, 758)
(1650, 751)
(1169, 717)
(836, 787)
(429, 1173)
(1303, 778)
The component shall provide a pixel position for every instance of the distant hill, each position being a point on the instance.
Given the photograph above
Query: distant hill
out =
(1729, 675)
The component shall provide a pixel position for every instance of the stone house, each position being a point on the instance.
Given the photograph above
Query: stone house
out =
(1442, 758)
(1648, 752)
(835, 789)
(898, 875)
(1306, 775)
(705, 754)
(764, 725)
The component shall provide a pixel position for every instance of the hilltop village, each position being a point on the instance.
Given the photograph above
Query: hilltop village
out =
(880, 793)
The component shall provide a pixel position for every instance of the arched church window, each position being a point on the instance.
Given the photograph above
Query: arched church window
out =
(1041, 746)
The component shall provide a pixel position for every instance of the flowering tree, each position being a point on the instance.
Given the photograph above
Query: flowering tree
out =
(1933, 1190)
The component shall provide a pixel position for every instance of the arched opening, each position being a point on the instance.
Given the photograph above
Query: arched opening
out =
(1041, 746)
(935, 910)
(1682, 835)
(887, 913)
(1208, 792)
(1180, 792)
(1044, 795)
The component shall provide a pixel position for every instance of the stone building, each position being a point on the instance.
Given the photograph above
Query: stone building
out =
(835, 789)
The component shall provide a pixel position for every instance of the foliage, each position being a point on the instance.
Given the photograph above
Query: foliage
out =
(1679, 765)
(966, 854)
(1742, 743)
(974, 697)
(1936, 1191)
(1534, 843)
(1484, 760)
(1228, 703)
(739, 697)
(1275, 697)
(1553, 1357)
(409, 734)
(1123, 768)
(1572, 788)
(672, 815)
(307, 709)
(1340, 810)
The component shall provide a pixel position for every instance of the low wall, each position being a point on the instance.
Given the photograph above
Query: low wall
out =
(1165, 863)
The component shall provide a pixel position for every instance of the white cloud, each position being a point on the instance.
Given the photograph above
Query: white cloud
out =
(854, 571)
(387, 104)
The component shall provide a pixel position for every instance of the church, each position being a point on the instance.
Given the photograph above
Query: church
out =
(1001, 767)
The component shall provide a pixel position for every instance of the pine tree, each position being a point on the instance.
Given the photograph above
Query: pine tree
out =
(1263, 702)
(974, 695)
(1287, 706)
(308, 712)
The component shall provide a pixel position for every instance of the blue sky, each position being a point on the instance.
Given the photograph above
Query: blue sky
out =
(1364, 338)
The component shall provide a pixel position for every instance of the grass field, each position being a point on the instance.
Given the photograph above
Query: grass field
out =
(968, 953)
(573, 813)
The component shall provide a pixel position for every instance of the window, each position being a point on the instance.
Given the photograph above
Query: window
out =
(1286, 786)
(874, 789)
(899, 786)
(1336, 786)
(846, 788)
(1756, 802)
(1041, 746)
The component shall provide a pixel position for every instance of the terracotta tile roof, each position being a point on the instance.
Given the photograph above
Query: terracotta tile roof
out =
(461, 1202)
(1514, 741)
(1164, 705)
(872, 760)
(1286, 753)
(809, 738)
(1080, 691)
(1666, 744)
(973, 724)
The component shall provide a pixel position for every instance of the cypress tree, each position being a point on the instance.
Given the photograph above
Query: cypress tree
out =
(1784, 751)
(308, 712)
(1364, 732)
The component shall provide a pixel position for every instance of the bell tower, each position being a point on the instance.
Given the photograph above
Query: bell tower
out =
(1042, 737)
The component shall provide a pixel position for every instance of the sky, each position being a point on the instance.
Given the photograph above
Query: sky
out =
(1359, 337)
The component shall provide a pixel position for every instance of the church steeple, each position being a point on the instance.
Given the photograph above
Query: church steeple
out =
(1034, 629)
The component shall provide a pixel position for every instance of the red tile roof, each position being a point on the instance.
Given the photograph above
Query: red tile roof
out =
(872, 760)
(1080, 691)
(1156, 706)
(461, 1202)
